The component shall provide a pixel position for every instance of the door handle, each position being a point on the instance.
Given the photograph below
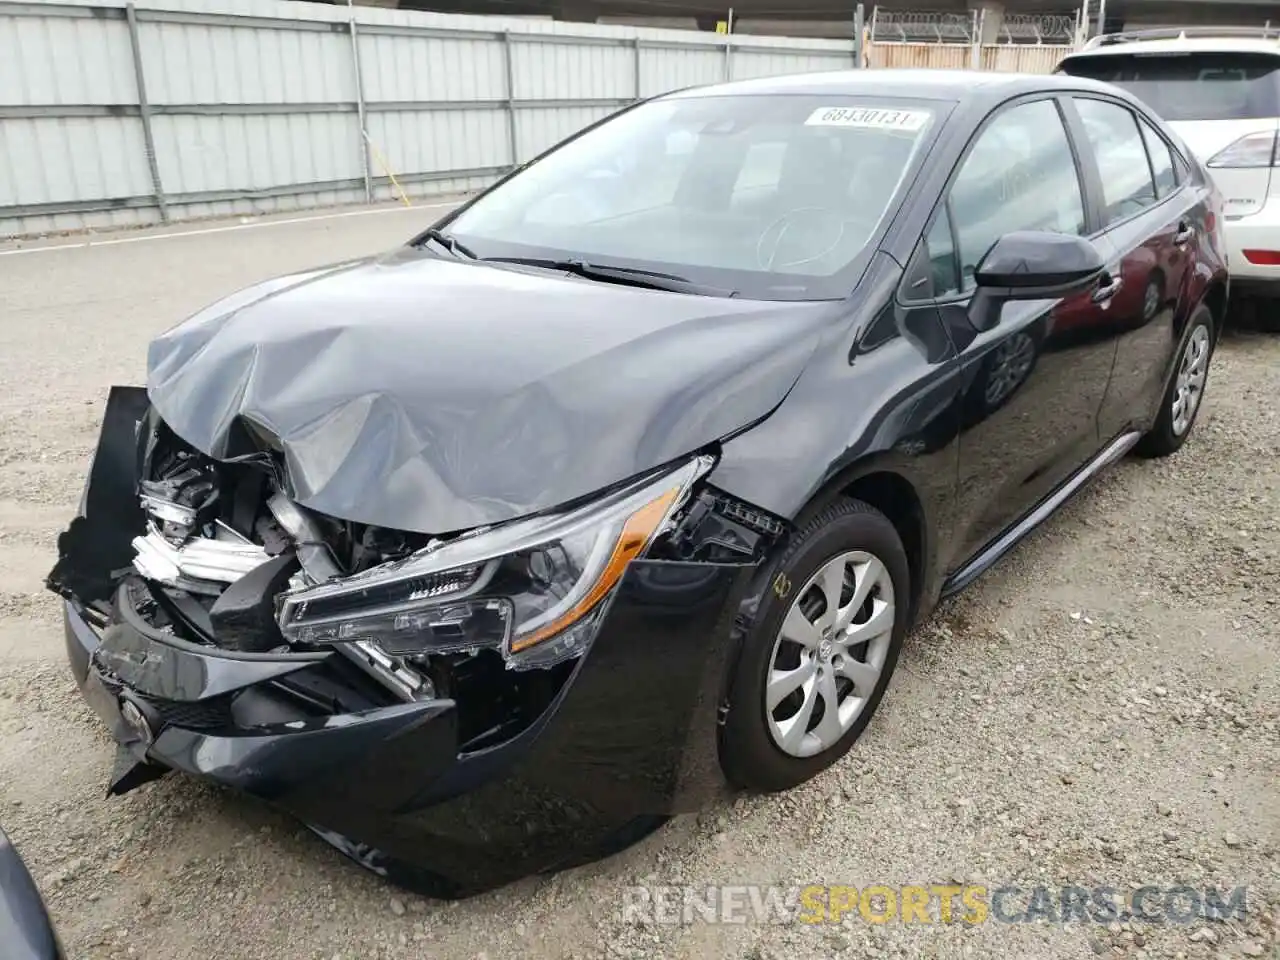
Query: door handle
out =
(1184, 234)
(1108, 287)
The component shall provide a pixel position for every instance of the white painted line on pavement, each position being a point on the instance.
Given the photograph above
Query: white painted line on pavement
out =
(238, 226)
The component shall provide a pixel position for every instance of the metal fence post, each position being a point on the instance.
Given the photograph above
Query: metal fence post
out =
(360, 112)
(144, 111)
(511, 96)
(857, 36)
(728, 46)
(979, 21)
(639, 85)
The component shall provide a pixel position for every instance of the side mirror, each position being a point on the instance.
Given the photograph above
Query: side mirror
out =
(1032, 265)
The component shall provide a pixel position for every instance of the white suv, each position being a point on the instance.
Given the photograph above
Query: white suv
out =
(1218, 89)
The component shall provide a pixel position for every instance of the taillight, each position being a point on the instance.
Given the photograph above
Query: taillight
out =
(1263, 258)
(1254, 150)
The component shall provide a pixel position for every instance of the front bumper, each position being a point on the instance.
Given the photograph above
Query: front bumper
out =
(628, 740)
(1259, 231)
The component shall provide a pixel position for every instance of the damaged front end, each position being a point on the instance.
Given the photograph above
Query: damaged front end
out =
(425, 702)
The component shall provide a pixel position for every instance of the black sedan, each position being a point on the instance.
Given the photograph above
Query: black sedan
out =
(26, 932)
(622, 485)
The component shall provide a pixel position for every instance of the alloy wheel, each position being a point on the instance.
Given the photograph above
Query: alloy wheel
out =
(1193, 368)
(829, 653)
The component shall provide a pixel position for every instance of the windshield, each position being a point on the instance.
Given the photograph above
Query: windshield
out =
(773, 197)
(1191, 86)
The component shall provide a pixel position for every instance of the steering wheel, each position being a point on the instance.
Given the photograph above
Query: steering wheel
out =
(817, 215)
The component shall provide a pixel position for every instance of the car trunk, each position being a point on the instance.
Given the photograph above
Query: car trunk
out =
(1224, 106)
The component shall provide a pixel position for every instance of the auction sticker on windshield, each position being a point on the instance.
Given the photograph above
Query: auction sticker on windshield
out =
(879, 117)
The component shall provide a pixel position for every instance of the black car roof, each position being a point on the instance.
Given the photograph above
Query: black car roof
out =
(953, 86)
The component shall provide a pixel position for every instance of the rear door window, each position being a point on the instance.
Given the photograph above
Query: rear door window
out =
(1127, 185)
(944, 270)
(1191, 86)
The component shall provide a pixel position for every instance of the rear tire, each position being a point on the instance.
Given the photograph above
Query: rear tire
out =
(824, 666)
(1184, 396)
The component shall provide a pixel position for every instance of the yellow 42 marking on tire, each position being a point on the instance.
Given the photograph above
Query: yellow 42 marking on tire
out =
(782, 586)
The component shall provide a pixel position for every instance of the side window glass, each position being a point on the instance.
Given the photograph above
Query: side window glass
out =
(933, 271)
(1127, 187)
(942, 256)
(1161, 160)
(1019, 175)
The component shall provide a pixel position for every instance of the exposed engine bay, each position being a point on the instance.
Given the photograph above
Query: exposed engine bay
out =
(224, 544)
(223, 558)
(222, 547)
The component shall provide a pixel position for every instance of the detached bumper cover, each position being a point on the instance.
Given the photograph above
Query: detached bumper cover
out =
(629, 740)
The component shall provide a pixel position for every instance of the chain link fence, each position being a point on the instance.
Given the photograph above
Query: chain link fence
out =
(921, 26)
(1038, 28)
(937, 26)
(975, 40)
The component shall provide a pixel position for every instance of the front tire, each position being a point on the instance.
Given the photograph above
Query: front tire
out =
(817, 662)
(1183, 397)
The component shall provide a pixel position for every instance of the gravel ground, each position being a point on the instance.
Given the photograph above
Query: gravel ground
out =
(1103, 708)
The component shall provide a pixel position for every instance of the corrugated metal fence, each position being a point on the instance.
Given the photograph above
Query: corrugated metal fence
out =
(112, 116)
(116, 115)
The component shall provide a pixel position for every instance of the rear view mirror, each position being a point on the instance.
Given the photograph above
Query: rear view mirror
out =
(1032, 265)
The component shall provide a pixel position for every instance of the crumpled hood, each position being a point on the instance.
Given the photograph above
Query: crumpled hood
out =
(434, 395)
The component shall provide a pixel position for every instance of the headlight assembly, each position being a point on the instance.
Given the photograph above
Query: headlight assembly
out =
(533, 588)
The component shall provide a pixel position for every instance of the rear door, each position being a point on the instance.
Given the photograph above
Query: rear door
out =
(1151, 222)
(1224, 106)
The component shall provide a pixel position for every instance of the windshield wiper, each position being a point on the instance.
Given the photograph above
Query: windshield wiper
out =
(631, 276)
(452, 244)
